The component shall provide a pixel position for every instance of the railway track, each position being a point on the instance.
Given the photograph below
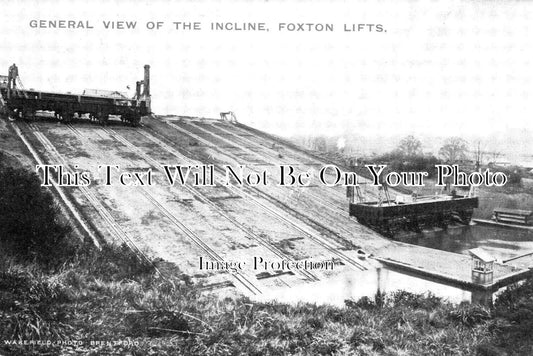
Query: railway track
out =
(280, 216)
(241, 147)
(113, 227)
(241, 279)
(325, 204)
(202, 197)
(333, 208)
(322, 161)
(315, 198)
(274, 156)
(66, 200)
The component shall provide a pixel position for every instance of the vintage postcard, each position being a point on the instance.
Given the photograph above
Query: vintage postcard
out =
(266, 177)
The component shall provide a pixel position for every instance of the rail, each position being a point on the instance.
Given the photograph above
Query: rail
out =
(115, 229)
(264, 242)
(318, 240)
(183, 228)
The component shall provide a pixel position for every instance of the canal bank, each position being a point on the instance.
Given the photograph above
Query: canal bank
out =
(443, 256)
(500, 224)
(501, 242)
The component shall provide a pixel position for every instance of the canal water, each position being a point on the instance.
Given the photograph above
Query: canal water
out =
(502, 243)
(354, 285)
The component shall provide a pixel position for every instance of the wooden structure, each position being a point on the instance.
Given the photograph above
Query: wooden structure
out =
(228, 116)
(391, 216)
(482, 266)
(513, 216)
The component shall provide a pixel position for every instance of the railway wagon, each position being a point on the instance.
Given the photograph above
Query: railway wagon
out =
(25, 104)
(96, 105)
(389, 217)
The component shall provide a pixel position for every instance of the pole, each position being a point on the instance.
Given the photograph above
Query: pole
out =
(146, 92)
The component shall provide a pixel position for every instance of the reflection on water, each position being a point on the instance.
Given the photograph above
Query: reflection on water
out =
(357, 284)
(502, 243)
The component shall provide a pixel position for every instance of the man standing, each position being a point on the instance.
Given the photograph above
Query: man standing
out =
(12, 76)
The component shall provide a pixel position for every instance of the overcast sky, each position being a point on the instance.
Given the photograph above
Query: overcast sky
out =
(442, 68)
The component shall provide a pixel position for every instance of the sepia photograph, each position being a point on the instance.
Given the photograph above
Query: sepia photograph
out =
(266, 177)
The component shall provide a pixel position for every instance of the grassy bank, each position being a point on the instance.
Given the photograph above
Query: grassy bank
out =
(109, 297)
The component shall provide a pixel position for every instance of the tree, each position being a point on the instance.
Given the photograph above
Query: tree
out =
(318, 143)
(454, 149)
(410, 146)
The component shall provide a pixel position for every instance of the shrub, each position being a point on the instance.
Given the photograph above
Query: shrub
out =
(515, 307)
(30, 220)
(415, 301)
(470, 314)
(364, 303)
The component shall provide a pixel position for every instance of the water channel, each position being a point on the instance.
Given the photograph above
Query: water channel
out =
(502, 243)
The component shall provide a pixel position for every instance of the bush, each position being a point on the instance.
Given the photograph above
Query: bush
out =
(470, 314)
(415, 301)
(29, 223)
(364, 303)
(515, 306)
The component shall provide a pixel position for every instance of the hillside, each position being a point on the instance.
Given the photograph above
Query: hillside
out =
(77, 299)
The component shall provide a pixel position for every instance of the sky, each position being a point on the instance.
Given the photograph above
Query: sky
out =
(442, 68)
